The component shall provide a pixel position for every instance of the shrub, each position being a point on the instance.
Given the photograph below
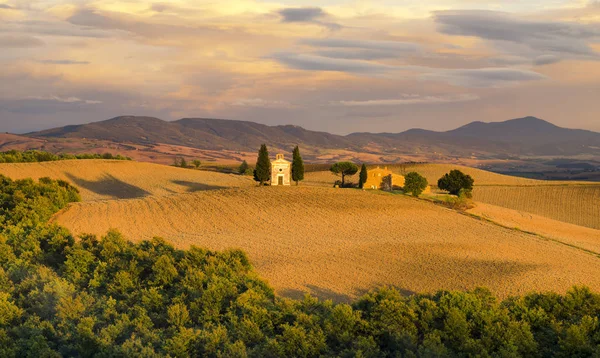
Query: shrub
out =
(415, 183)
(243, 168)
(455, 181)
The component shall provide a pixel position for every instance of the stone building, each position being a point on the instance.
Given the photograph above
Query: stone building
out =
(377, 175)
(281, 171)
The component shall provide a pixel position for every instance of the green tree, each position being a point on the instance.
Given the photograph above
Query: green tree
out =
(196, 163)
(344, 169)
(243, 168)
(455, 181)
(262, 172)
(297, 166)
(363, 176)
(415, 183)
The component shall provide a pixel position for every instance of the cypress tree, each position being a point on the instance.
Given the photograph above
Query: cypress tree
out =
(363, 176)
(297, 166)
(262, 173)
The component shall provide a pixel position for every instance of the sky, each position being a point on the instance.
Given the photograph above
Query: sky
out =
(332, 65)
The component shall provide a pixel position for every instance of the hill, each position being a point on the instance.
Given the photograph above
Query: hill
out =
(567, 201)
(518, 137)
(109, 179)
(360, 239)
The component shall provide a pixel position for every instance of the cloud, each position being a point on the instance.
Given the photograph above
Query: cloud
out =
(363, 44)
(63, 62)
(484, 77)
(546, 60)
(307, 14)
(161, 7)
(20, 41)
(5, 6)
(523, 37)
(261, 103)
(361, 49)
(312, 15)
(64, 99)
(410, 100)
(309, 62)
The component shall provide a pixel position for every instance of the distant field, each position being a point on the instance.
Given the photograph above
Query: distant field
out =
(108, 179)
(575, 204)
(430, 171)
(338, 243)
(566, 233)
(571, 202)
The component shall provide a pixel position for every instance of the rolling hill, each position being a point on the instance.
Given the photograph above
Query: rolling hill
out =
(527, 136)
(114, 179)
(361, 239)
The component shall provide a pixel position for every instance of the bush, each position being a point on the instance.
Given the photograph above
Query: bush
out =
(415, 183)
(244, 168)
(455, 181)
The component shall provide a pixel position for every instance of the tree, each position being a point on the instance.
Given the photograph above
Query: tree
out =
(243, 167)
(414, 183)
(262, 172)
(344, 169)
(180, 162)
(363, 176)
(455, 181)
(297, 166)
(196, 163)
(386, 183)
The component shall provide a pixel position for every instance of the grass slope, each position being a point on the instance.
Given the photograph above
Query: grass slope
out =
(108, 179)
(570, 202)
(339, 243)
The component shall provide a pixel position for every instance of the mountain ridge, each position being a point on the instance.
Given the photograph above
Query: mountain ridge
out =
(521, 136)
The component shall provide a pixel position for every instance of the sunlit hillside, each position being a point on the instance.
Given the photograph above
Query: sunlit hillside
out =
(109, 179)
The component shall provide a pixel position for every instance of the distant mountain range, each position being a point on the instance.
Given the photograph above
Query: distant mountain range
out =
(527, 136)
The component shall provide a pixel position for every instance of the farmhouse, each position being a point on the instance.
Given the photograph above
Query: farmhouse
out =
(377, 175)
(281, 171)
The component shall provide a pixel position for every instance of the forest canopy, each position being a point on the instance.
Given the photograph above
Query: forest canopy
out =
(90, 297)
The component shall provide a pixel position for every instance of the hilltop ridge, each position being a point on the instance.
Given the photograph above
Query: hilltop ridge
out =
(521, 136)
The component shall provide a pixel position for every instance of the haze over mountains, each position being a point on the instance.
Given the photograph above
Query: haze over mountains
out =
(527, 136)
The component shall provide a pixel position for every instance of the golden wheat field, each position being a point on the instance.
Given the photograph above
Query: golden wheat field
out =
(432, 172)
(575, 204)
(569, 234)
(339, 243)
(114, 179)
(569, 202)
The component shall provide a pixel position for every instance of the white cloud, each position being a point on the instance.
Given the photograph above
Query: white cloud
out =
(261, 103)
(410, 100)
(64, 99)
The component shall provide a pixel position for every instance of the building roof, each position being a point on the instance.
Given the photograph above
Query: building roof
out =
(279, 159)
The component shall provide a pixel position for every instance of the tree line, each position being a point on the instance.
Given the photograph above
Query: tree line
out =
(107, 297)
(34, 156)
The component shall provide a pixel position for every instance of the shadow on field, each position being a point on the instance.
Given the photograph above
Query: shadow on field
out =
(108, 185)
(327, 294)
(193, 187)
